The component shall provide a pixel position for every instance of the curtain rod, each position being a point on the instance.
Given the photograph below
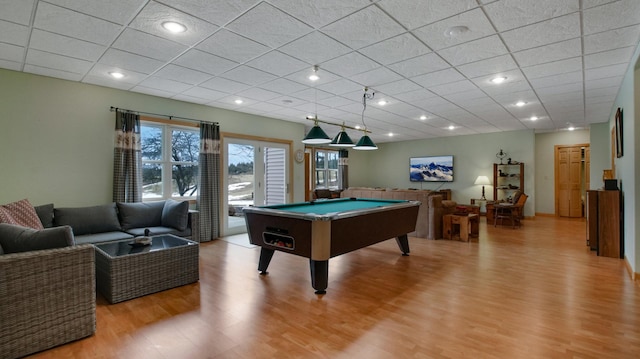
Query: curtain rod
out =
(170, 117)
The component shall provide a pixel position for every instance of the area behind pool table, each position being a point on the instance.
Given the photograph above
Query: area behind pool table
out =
(327, 228)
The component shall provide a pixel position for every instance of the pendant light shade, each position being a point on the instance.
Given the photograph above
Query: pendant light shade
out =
(342, 139)
(316, 136)
(365, 144)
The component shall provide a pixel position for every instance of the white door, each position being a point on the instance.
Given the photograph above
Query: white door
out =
(255, 174)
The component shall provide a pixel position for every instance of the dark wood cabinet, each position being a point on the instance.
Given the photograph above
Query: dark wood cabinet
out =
(604, 223)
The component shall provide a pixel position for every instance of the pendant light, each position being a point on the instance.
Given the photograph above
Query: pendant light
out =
(365, 143)
(316, 135)
(342, 139)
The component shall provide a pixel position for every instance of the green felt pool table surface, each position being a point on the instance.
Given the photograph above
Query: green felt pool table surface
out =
(334, 205)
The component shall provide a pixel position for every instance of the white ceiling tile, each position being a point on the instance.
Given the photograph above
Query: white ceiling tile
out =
(264, 107)
(591, 3)
(556, 80)
(509, 14)
(13, 33)
(152, 92)
(420, 65)
(220, 14)
(287, 101)
(165, 85)
(340, 87)
(315, 48)
(553, 68)
(205, 62)
(543, 33)
(488, 67)
(224, 85)
(549, 53)
(605, 71)
(57, 62)
(232, 46)
(269, 26)
(12, 53)
(128, 61)
(205, 93)
(70, 23)
(153, 15)
(603, 83)
(283, 86)
(319, 13)
(555, 90)
(460, 98)
(453, 87)
(376, 77)
(107, 82)
(277, 63)
(63, 45)
(17, 11)
(258, 94)
(472, 51)
(182, 74)
(335, 101)
(438, 77)
(45, 71)
(100, 71)
(248, 75)
(485, 82)
(350, 64)
(148, 45)
(312, 95)
(609, 40)
(434, 35)
(612, 57)
(397, 87)
(510, 98)
(191, 99)
(363, 28)
(303, 77)
(508, 88)
(625, 13)
(395, 49)
(413, 14)
(120, 12)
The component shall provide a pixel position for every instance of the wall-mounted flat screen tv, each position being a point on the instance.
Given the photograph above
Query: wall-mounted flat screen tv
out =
(431, 169)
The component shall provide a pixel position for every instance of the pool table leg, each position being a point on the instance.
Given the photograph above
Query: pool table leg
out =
(403, 243)
(319, 275)
(265, 258)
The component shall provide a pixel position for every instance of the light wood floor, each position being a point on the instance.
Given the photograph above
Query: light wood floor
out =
(534, 292)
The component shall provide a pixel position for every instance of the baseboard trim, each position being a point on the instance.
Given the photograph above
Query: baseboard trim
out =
(545, 214)
(627, 265)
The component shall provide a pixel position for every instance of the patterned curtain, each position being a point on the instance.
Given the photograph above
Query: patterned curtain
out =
(127, 159)
(209, 187)
(343, 167)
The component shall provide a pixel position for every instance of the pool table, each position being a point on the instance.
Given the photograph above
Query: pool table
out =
(323, 229)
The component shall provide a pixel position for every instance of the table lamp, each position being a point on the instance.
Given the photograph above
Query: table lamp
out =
(483, 180)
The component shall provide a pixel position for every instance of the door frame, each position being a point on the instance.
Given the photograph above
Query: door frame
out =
(230, 136)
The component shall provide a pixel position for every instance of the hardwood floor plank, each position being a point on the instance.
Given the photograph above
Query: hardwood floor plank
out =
(533, 292)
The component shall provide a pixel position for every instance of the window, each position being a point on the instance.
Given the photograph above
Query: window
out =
(169, 161)
(326, 167)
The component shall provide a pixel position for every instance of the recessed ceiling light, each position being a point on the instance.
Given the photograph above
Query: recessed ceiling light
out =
(390, 134)
(382, 102)
(423, 117)
(499, 79)
(174, 27)
(571, 128)
(534, 118)
(116, 75)
(455, 31)
(520, 103)
(238, 101)
(314, 75)
(451, 127)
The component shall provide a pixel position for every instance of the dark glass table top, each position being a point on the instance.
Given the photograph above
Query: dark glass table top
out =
(158, 243)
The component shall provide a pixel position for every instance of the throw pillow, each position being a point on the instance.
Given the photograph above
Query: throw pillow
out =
(175, 214)
(140, 214)
(45, 213)
(21, 213)
(88, 220)
(15, 239)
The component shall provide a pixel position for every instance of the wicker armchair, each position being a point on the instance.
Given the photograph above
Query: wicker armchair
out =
(47, 298)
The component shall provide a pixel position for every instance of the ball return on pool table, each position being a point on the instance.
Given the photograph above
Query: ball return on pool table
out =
(323, 229)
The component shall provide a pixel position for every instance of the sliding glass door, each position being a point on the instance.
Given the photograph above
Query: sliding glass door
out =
(256, 174)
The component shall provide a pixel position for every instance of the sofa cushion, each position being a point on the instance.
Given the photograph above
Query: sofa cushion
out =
(140, 214)
(175, 214)
(86, 220)
(20, 213)
(45, 213)
(15, 239)
(102, 237)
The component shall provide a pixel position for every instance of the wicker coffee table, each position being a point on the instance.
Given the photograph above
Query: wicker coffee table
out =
(124, 272)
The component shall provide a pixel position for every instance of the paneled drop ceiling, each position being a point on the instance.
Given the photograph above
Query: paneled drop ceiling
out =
(432, 61)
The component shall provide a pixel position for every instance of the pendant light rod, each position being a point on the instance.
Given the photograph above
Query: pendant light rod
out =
(310, 118)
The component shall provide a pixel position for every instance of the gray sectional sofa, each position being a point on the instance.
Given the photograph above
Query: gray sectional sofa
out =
(116, 221)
